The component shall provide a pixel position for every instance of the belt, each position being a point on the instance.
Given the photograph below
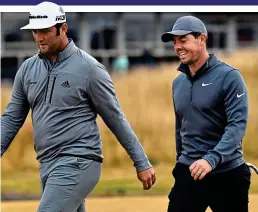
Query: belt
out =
(90, 157)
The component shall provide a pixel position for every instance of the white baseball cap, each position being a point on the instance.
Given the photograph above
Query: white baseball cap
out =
(45, 15)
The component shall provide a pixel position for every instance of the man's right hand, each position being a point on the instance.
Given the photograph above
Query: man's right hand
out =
(147, 177)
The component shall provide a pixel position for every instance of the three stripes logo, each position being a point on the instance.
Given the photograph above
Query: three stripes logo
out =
(65, 84)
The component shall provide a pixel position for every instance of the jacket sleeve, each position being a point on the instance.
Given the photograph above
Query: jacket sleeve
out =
(177, 130)
(103, 96)
(236, 108)
(15, 113)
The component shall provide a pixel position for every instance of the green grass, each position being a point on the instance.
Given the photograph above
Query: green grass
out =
(113, 182)
(21, 182)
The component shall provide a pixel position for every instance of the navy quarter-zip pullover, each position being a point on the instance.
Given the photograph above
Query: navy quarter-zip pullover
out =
(65, 98)
(211, 111)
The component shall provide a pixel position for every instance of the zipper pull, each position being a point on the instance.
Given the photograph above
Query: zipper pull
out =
(53, 85)
(46, 89)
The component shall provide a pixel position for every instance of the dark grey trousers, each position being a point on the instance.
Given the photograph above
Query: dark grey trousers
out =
(66, 182)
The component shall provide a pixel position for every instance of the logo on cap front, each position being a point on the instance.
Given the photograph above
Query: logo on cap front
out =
(37, 16)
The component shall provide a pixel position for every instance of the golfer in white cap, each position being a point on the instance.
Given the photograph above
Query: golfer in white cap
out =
(66, 89)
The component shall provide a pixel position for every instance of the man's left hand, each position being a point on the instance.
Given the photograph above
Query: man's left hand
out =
(199, 169)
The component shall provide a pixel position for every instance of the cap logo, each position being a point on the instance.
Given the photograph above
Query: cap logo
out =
(37, 16)
(61, 10)
(60, 18)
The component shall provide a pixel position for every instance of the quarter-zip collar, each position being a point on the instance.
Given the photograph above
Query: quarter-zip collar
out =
(70, 49)
(212, 61)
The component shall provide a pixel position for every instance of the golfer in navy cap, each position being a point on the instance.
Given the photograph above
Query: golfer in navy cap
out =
(211, 109)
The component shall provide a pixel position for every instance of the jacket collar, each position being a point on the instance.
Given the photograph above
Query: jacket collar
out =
(70, 49)
(212, 61)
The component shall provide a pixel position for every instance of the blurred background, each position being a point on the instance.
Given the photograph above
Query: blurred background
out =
(132, 36)
(142, 69)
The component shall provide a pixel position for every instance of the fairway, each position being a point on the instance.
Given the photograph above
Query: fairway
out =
(116, 204)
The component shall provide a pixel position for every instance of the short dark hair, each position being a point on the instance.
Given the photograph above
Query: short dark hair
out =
(58, 26)
(197, 35)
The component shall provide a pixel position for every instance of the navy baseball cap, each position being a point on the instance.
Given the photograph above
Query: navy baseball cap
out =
(183, 26)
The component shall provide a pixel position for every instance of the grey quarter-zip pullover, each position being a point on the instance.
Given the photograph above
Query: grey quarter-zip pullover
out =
(65, 99)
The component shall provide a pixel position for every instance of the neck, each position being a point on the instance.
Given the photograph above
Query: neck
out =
(199, 63)
(61, 48)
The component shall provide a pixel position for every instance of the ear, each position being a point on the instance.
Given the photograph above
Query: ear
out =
(203, 39)
(63, 29)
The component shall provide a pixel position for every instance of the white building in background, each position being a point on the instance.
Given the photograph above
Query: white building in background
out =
(109, 35)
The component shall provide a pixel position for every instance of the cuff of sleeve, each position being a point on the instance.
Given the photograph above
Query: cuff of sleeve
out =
(212, 160)
(143, 166)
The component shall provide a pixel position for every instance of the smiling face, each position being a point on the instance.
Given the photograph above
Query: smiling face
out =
(189, 48)
(49, 40)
